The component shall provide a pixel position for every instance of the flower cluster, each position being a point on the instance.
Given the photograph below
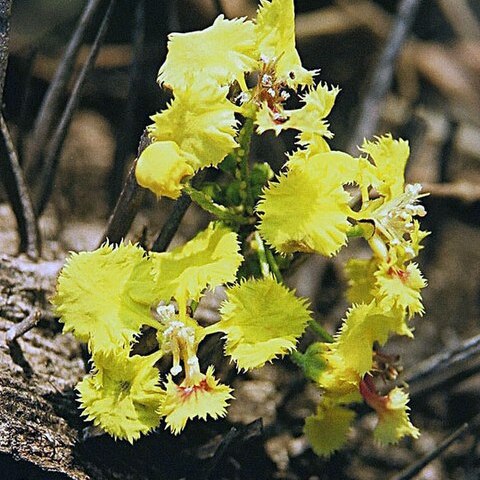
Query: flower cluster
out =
(385, 293)
(228, 81)
(108, 296)
(199, 127)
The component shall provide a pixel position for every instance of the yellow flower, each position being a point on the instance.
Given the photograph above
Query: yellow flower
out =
(161, 168)
(262, 320)
(200, 399)
(275, 33)
(201, 121)
(104, 296)
(308, 120)
(327, 430)
(122, 394)
(301, 156)
(390, 157)
(307, 208)
(363, 326)
(208, 260)
(338, 380)
(217, 55)
(392, 410)
(399, 286)
(393, 420)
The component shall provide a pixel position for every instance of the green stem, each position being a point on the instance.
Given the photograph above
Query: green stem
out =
(274, 265)
(262, 257)
(221, 212)
(243, 154)
(297, 358)
(320, 331)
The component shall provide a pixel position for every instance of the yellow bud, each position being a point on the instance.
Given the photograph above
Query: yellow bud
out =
(161, 168)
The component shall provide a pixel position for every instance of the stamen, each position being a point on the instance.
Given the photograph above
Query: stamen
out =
(242, 98)
(265, 59)
(267, 80)
(394, 219)
(165, 313)
(179, 339)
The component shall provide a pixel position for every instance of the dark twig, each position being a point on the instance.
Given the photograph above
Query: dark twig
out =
(220, 452)
(416, 468)
(172, 223)
(50, 108)
(15, 332)
(55, 145)
(382, 75)
(5, 12)
(463, 191)
(19, 329)
(16, 188)
(128, 202)
(12, 175)
(124, 136)
(443, 370)
(25, 109)
(245, 433)
(170, 227)
(125, 210)
(437, 364)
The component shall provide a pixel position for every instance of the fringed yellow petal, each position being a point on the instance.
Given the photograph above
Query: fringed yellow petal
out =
(400, 287)
(122, 394)
(363, 326)
(301, 156)
(367, 175)
(327, 430)
(416, 237)
(306, 210)
(338, 380)
(265, 121)
(262, 320)
(393, 420)
(361, 280)
(308, 120)
(104, 296)
(201, 121)
(208, 398)
(161, 168)
(390, 157)
(218, 55)
(275, 32)
(208, 260)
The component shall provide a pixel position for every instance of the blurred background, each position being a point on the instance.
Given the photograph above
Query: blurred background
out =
(428, 93)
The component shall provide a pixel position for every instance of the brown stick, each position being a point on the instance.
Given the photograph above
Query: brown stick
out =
(417, 467)
(18, 195)
(19, 329)
(50, 108)
(463, 191)
(128, 202)
(55, 145)
(382, 76)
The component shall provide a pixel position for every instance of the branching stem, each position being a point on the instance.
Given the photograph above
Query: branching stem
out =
(320, 331)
